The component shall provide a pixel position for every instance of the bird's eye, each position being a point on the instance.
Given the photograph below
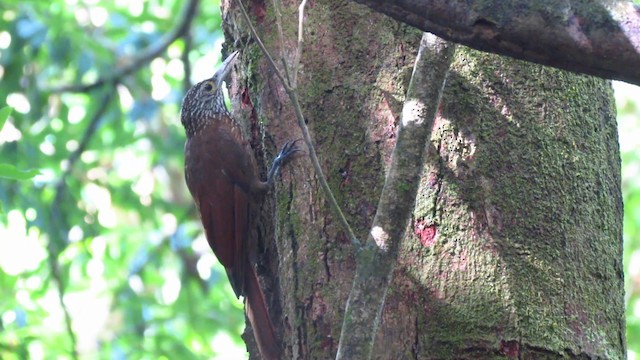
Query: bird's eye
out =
(208, 87)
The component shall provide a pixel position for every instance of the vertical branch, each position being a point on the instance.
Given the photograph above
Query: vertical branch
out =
(296, 61)
(186, 65)
(376, 261)
(278, 10)
(264, 50)
(58, 237)
(54, 268)
(293, 96)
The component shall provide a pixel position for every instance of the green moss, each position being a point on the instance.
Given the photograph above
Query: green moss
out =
(525, 204)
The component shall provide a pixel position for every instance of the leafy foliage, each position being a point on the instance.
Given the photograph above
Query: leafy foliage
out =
(106, 225)
(4, 115)
(629, 123)
(11, 172)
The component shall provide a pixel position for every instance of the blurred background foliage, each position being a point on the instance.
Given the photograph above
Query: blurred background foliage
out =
(97, 251)
(107, 225)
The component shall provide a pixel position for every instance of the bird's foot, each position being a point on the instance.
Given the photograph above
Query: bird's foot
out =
(286, 153)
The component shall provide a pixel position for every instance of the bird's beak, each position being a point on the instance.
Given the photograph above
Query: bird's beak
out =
(224, 70)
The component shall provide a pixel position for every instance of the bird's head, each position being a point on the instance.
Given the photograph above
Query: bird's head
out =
(205, 100)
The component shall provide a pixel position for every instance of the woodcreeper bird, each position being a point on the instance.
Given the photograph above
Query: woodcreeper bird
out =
(222, 176)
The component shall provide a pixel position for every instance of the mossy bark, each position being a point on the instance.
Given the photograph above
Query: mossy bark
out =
(515, 249)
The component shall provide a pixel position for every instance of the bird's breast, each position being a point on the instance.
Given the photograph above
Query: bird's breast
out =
(219, 150)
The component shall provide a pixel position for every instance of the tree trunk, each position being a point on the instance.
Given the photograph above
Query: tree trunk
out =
(515, 248)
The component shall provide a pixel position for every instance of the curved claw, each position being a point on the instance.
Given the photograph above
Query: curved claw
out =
(288, 150)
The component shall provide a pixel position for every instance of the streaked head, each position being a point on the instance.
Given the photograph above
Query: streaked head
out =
(205, 100)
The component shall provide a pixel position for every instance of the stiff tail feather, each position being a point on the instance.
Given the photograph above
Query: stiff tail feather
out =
(258, 315)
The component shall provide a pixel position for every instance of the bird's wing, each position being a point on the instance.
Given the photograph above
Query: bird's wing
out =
(223, 207)
(236, 156)
(221, 173)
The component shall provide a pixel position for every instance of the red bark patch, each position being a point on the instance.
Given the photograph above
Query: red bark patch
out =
(259, 10)
(460, 262)
(342, 238)
(426, 233)
(432, 179)
(510, 349)
(318, 307)
(246, 100)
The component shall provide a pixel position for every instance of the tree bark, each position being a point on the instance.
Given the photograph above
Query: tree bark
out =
(596, 37)
(515, 248)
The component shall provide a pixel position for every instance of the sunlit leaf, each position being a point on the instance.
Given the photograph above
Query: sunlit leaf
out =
(9, 171)
(4, 115)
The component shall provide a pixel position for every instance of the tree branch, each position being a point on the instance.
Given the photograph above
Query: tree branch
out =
(144, 56)
(293, 96)
(266, 53)
(376, 261)
(57, 238)
(296, 60)
(278, 10)
(595, 37)
(186, 64)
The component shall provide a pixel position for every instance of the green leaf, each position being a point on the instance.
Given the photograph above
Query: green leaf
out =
(11, 172)
(4, 115)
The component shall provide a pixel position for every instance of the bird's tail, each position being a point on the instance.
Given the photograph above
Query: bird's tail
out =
(258, 314)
